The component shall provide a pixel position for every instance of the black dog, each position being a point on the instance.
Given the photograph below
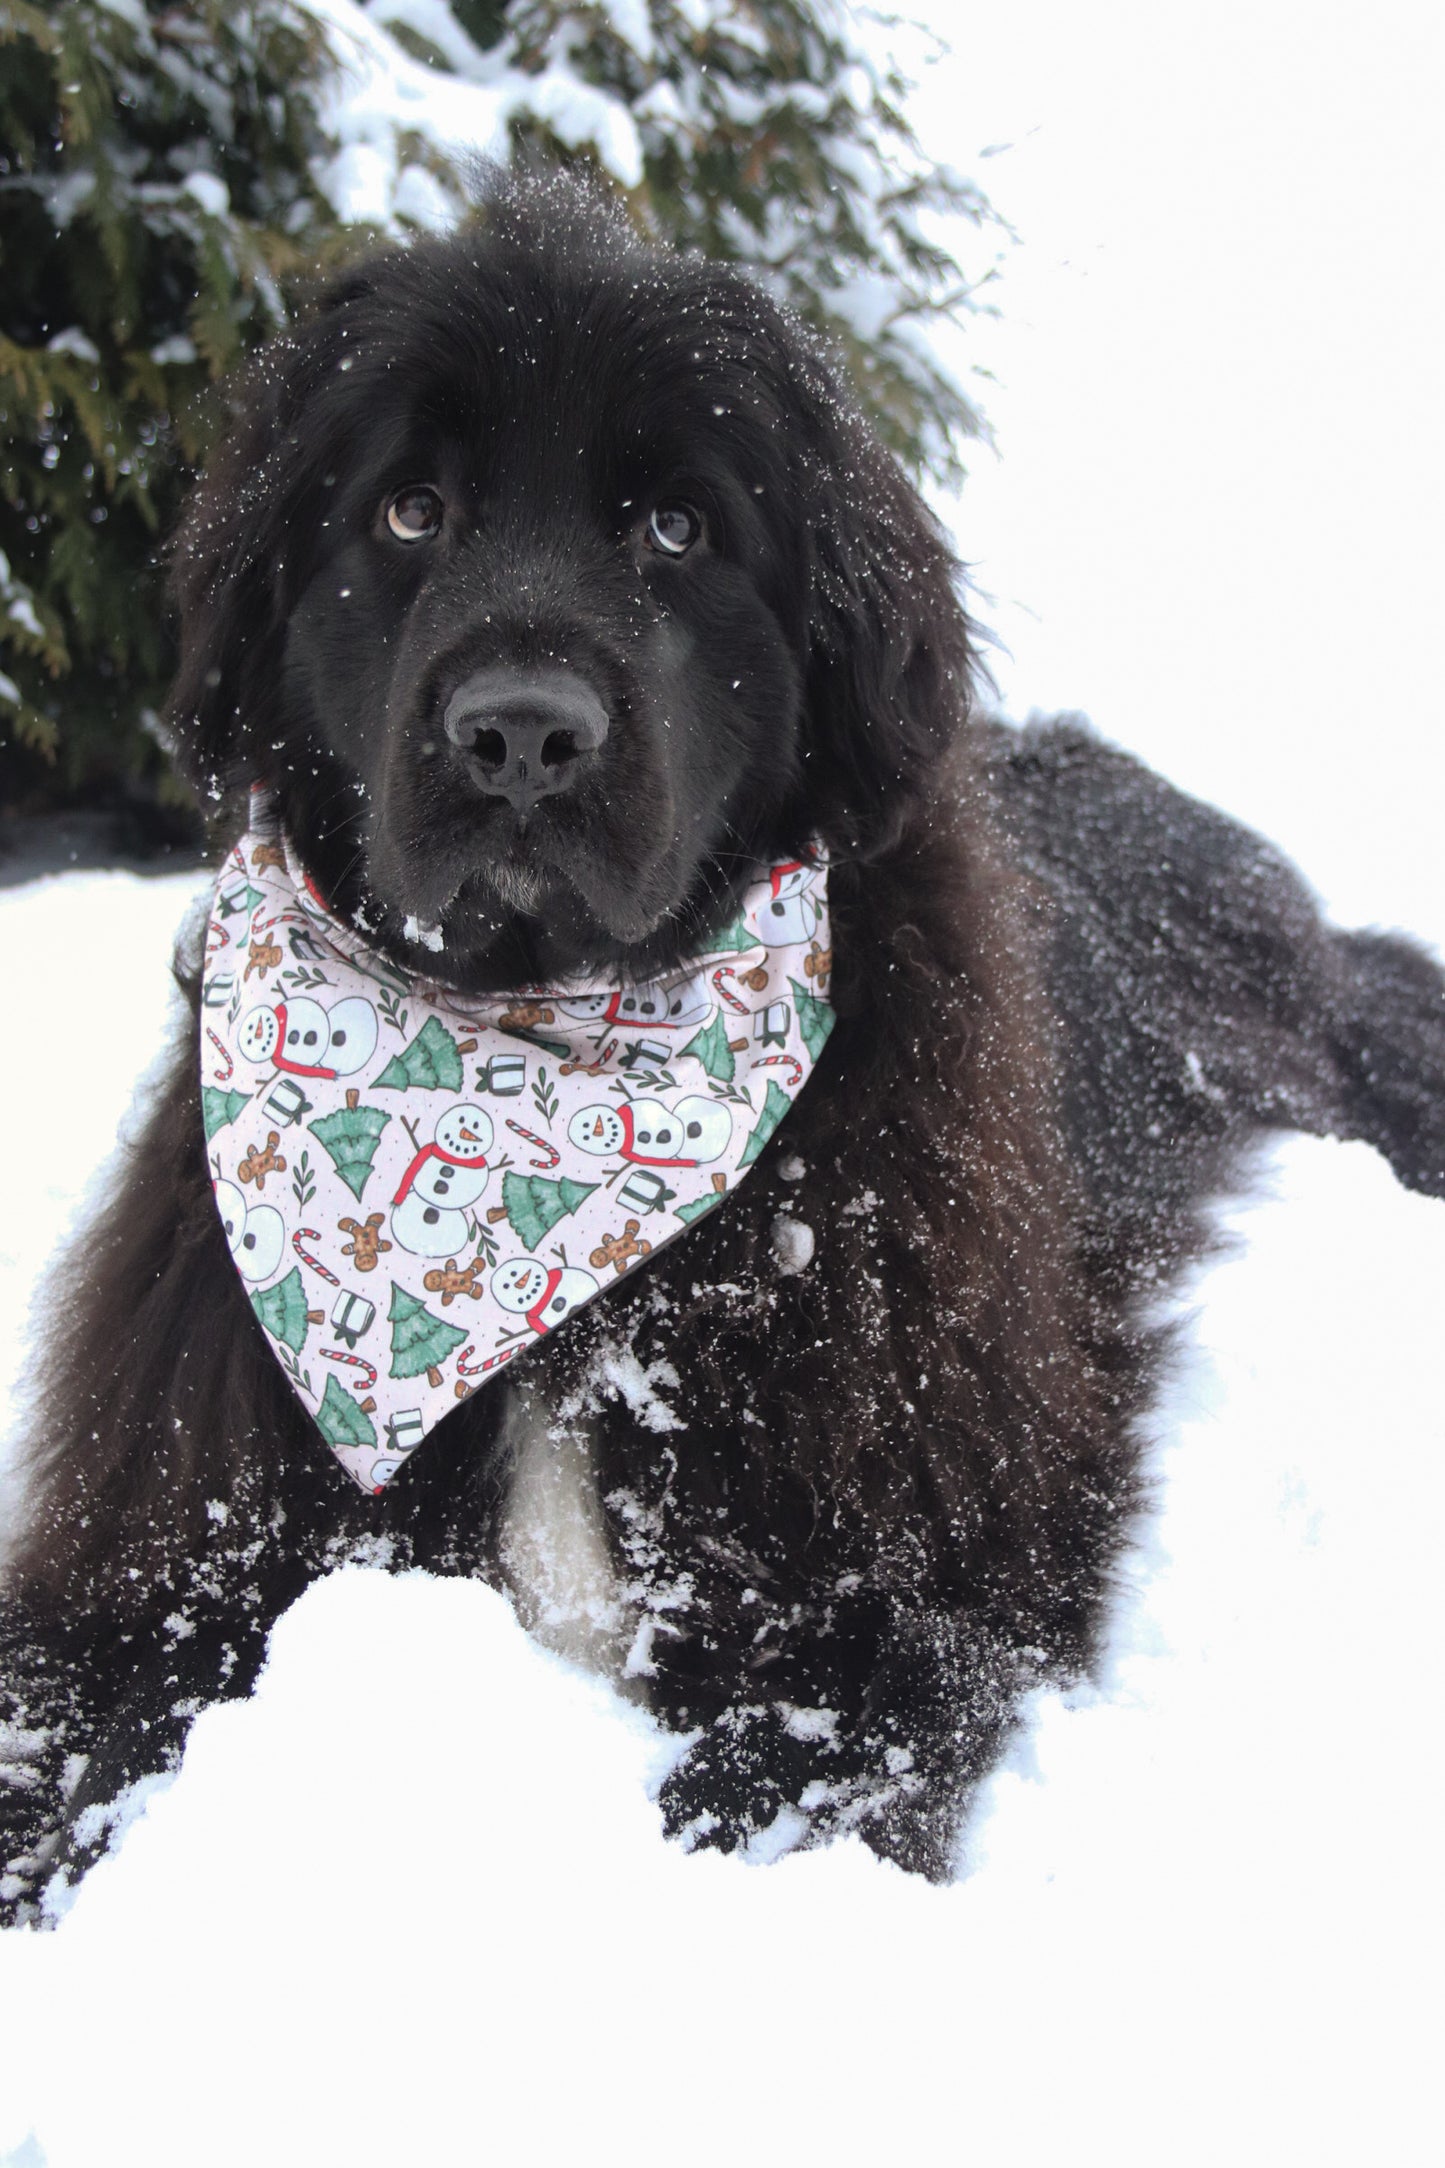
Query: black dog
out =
(552, 583)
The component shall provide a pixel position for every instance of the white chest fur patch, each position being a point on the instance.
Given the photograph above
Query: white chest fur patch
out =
(554, 1549)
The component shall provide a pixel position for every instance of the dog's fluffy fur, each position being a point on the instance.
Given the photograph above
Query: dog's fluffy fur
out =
(1068, 999)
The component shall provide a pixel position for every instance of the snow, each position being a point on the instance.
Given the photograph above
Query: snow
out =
(174, 352)
(428, 937)
(209, 191)
(793, 1244)
(74, 341)
(410, 1903)
(383, 102)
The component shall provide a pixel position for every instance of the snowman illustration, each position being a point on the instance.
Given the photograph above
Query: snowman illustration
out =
(428, 1215)
(647, 1134)
(256, 1238)
(683, 1006)
(789, 913)
(542, 1295)
(306, 1040)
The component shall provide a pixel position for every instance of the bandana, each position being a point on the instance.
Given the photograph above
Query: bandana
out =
(417, 1185)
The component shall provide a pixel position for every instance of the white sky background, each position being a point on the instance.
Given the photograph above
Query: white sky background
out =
(1218, 520)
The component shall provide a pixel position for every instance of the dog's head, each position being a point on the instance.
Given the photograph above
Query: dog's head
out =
(553, 581)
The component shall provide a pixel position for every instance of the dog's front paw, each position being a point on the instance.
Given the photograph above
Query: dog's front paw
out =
(759, 1781)
(32, 1774)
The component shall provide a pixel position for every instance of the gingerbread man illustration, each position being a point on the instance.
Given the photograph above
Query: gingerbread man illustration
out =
(264, 957)
(446, 1281)
(616, 1249)
(258, 1164)
(366, 1244)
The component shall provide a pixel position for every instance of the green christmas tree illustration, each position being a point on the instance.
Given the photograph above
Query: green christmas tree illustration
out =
(431, 1061)
(218, 1108)
(533, 1204)
(712, 1050)
(237, 901)
(343, 1420)
(351, 1136)
(815, 1018)
(419, 1341)
(282, 1310)
(775, 1106)
(700, 1207)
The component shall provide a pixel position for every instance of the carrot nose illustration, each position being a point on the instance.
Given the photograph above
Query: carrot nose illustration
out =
(469, 1136)
(597, 1127)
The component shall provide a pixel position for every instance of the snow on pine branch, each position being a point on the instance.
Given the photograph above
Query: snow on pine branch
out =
(761, 131)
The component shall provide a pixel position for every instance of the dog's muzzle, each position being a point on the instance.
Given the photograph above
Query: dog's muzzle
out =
(524, 734)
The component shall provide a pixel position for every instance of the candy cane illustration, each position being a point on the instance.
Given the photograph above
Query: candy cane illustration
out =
(222, 1076)
(790, 1061)
(217, 937)
(313, 1234)
(491, 1362)
(553, 1157)
(339, 1355)
(725, 971)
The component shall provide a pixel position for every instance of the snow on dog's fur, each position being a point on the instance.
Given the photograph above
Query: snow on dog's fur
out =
(840, 1476)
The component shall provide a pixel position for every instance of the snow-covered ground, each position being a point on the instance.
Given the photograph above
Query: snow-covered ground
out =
(410, 1904)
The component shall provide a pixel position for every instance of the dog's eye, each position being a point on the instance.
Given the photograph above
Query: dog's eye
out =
(673, 528)
(414, 514)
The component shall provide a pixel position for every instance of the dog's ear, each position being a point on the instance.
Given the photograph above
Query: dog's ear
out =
(228, 561)
(890, 672)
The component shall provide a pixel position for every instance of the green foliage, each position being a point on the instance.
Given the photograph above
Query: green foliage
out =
(769, 138)
(155, 189)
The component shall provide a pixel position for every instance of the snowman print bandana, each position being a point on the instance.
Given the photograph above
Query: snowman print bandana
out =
(417, 1185)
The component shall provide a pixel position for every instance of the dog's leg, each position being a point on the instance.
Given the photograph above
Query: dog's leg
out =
(86, 1720)
(1204, 999)
(873, 1716)
(1387, 1033)
(169, 1458)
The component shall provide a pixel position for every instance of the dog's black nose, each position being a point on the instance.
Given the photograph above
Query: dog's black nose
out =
(523, 733)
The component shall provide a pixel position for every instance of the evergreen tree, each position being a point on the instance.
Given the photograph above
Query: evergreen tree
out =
(155, 184)
(168, 172)
(763, 133)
